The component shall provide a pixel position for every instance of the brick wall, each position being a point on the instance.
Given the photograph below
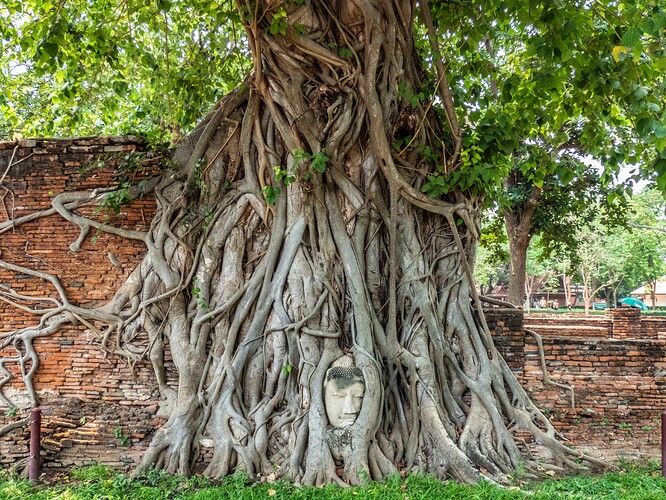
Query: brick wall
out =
(617, 365)
(507, 328)
(96, 407)
(568, 326)
(654, 328)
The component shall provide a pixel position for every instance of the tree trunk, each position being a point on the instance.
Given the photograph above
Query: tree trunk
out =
(519, 241)
(518, 221)
(291, 237)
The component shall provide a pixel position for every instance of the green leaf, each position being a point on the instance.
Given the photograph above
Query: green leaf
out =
(632, 37)
(659, 131)
(645, 125)
(648, 26)
(319, 162)
(164, 5)
(50, 48)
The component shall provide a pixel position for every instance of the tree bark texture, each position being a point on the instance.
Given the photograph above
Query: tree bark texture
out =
(255, 292)
(518, 221)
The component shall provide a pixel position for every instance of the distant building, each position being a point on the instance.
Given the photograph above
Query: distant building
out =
(643, 293)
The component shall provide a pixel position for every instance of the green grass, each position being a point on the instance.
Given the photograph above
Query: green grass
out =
(96, 482)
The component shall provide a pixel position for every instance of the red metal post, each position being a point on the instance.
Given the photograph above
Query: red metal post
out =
(35, 444)
(663, 444)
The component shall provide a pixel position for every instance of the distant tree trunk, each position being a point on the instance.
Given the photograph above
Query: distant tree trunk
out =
(653, 292)
(518, 220)
(566, 284)
(518, 244)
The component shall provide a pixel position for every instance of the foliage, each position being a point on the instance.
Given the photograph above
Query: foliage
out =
(104, 67)
(525, 74)
(632, 481)
(636, 255)
(492, 263)
(583, 76)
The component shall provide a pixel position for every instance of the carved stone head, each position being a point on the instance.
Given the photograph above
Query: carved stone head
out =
(344, 388)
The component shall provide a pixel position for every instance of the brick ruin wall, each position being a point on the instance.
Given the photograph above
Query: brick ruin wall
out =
(616, 364)
(97, 409)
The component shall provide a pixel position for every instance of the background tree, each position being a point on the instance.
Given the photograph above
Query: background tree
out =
(641, 247)
(591, 256)
(293, 227)
(577, 99)
(491, 268)
(565, 204)
(621, 259)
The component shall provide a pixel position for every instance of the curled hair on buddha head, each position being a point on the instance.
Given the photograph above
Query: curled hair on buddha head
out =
(344, 372)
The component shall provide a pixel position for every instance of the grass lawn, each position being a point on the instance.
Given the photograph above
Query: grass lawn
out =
(96, 482)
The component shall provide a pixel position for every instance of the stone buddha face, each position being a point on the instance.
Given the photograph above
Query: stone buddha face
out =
(344, 388)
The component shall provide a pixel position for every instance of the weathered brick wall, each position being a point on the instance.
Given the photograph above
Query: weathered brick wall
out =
(568, 326)
(617, 365)
(98, 409)
(654, 328)
(619, 388)
(506, 326)
(87, 395)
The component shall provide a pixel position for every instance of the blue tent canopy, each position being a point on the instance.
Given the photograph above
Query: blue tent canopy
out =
(631, 301)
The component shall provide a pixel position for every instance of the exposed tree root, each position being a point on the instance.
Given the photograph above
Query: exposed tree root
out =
(255, 299)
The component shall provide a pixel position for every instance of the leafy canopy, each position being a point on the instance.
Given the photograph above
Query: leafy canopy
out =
(83, 67)
(588, 75)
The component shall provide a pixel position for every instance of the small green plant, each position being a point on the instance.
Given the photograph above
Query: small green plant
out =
(285, 175)
(407, 93)
(318, 161)
(113, 201)
(286, 369)
(122, 440)
(270, 194)
(519, 473)
(647, 427)
(399, 143)
(427, 151)
(207, 215)
(624, 425)
(12, 411)
(93, 472)
(605, 421)
(201, 302)
(278, 23)
(345, 53)
(121, 482)
(82, 420)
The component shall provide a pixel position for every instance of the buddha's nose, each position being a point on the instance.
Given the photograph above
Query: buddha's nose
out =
(348, 406)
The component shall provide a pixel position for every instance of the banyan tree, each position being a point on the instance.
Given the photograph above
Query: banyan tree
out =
(293, 252)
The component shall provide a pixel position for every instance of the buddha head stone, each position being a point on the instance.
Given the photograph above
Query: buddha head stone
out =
(344, 388)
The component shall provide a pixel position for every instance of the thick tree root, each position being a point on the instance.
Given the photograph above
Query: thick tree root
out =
(255, 293)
